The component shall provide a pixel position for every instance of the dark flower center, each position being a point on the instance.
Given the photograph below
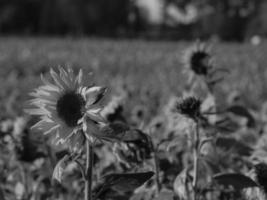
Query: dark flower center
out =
(199, 62)
(70, 108)
(189, 107)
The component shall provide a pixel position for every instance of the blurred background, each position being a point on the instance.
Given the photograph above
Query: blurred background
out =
(234, 20)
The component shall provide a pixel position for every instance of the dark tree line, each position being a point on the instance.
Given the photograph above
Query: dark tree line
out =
(63, 16)
(230, 20)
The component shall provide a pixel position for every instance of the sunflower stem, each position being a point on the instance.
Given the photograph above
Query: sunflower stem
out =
(88, 171)
(196, 159)
(81, 167)
(156, 163)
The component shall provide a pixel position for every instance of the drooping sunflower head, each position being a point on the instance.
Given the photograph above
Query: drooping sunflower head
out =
(198, 59)
(65, 103)
(189, 107)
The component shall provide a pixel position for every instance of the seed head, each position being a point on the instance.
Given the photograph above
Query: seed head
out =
(199, 62)
(190, 107)
(198, 59)
(70, 108)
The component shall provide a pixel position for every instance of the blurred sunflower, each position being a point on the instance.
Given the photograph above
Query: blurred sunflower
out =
(65, 105)
(189, 107)
(197, 60)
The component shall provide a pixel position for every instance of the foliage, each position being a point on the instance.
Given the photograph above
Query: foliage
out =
(147, 149)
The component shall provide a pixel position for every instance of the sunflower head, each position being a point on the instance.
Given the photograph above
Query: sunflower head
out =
(189, 107)
(70, 108)
(261, 175)
(65, 103)
(198, 59)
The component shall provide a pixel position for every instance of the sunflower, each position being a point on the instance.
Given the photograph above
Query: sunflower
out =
(68, 108)
(197, 60)
(189, 107)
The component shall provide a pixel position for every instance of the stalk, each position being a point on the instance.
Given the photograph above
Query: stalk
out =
(88, 171)
(156, 162)
(196, 164)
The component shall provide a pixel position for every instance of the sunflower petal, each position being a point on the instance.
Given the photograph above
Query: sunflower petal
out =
(94, 95)
(46, 82)
(36, 111)
(65, 132)
(55, 128)
(70, 84)
(58, 80)
(43, 125)
(79, 77)
(95, 117)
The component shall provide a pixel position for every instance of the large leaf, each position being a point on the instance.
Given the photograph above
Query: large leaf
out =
(134, 147)
(238, 181)
(135, 135)
(60, 167)
(113, 131)
(227, 125)
(126, 182)
(233, 145)
(242, 112)
(138, 138)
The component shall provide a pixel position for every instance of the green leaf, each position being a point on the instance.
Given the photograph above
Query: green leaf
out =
(135, 135)
(60, 167)
(238, 181)
(227, 125)
(231, 144)
(125, 182)
(242, 112)
(113, 131)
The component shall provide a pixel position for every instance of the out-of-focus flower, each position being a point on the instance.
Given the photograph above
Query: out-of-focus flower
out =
(189, 107)
(197, 60)
(66, 106)
(113, 111)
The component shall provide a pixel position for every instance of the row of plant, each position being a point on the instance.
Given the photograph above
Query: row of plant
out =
(198, 146)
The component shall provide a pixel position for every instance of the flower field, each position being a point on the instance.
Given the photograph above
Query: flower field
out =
(155, 120)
